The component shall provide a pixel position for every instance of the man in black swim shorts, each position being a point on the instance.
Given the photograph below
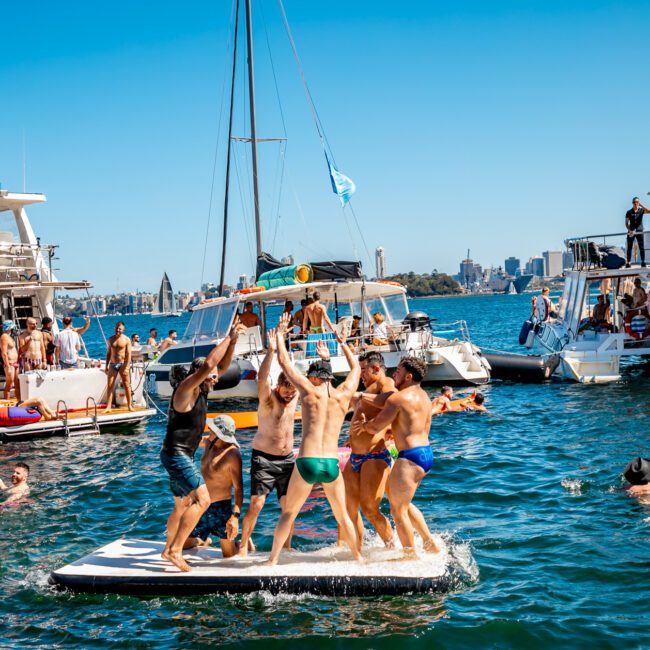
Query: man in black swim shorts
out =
(272, 459)
(186, 421)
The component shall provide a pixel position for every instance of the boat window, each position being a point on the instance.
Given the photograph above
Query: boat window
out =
(568, 286)
(194, 325)
(374, 306)
(208, 322)
(222, 325)
(578, 305)
(396, 307)
(184, 354)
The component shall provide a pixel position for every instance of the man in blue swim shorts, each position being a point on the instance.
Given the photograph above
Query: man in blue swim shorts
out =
(408, 414)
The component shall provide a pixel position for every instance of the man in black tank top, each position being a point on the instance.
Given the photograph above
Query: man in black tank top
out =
(188, 410)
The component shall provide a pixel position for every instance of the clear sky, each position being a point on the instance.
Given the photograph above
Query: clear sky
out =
(503, 127)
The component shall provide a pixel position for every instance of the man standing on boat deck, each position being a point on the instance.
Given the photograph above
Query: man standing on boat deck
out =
(272, 458)
(118, 361)
(314, 315)
(46, 328)
(169, 341)
(32, 347)
(9, 353)
(188, 410)
(67, 345)
(153, 335)
(408, 414)
(248, 317)
(323, 412)
(634, 225)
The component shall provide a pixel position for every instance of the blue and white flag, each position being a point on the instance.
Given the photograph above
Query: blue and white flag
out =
(341, 184)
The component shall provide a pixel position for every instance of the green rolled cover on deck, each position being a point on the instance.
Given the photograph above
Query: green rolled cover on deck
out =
(286, 276)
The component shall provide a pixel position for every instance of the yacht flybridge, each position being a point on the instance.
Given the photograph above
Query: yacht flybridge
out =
(593, 340)
(27, 290)
(450, 360)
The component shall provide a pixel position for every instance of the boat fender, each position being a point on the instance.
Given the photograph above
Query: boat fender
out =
(230, 378)
(11, 416)
(525, 329)
(637, 323)
(530, 339)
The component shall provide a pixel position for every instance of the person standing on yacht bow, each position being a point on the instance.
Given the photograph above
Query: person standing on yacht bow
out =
(634, 225)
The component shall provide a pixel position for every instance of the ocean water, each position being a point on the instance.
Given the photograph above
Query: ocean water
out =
(529, 494)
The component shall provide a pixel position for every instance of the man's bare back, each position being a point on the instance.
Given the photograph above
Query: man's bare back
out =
(217, 467)
(411, 425)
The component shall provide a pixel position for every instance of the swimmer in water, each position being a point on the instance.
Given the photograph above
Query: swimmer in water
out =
(323, 411)
(19, 488)
(637, 473)
(443, 402)
(221, 468)
(408, 413)
(272, 459)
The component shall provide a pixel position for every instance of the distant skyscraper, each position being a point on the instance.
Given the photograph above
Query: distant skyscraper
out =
(243, 282)
(567, 260)
(470, 273)
(552, 263)
(380, 262)
(512, 265)
(535, 266)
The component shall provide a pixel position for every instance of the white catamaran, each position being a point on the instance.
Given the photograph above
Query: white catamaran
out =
(343, 291)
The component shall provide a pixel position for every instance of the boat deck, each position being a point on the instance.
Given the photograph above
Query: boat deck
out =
(77, 423)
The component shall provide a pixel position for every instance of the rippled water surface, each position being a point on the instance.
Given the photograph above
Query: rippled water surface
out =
(530, 490)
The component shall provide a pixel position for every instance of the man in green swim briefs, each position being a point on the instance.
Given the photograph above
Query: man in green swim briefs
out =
(323, 411)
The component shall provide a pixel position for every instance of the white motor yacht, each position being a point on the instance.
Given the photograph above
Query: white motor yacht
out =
(591, 347)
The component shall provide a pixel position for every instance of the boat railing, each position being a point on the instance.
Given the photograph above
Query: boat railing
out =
(454, 330)
(18, 261)
(587, 249)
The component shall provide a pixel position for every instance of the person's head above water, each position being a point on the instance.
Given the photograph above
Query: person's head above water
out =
(479, 399)
(20, 473)
(285, 390)
(409, 371)
(637, 471)
(447, 391)
(373, 367)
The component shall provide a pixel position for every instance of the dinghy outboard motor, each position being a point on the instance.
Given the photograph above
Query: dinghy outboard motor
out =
(417, 321)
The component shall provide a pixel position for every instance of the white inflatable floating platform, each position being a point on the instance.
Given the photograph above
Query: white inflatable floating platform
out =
(134, 567)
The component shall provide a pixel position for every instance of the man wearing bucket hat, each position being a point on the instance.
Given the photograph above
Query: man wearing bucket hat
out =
(188, 410)
(9, 353)
(221, 467)
(637, 473)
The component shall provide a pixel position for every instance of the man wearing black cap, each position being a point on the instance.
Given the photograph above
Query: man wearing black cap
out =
(634, 225)
(188, 410)
(323, 411)
(637, 473)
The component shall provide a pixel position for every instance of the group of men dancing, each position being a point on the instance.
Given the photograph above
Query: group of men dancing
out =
(396, 407)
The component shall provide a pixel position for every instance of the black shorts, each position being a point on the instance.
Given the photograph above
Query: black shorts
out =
(269, 472)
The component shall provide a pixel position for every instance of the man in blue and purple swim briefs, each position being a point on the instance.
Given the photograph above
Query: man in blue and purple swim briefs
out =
(408, 414)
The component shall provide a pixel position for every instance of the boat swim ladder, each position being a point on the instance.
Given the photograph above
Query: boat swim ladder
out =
(66, 428)
(95, 426)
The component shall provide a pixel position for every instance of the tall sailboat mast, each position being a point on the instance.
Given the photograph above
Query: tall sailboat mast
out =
(251, 99)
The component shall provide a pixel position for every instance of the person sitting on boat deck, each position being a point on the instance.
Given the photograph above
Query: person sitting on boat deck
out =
(637, 473)
(41, 406)
(408, 413)
(67, 345)
(19, 487)
(314, 316)
(32, 347)
(248, 317)
(545, 309)
(186, 421)
(443, 403)
(379, 330)
(46, 328)
(221, 468)
(169, 341)
(639, 295)
(323, 411)
(9, 353)
(634, 225)
(153, 335)
(135, 343)
(118, 361)
(272, 459)
(366, 472)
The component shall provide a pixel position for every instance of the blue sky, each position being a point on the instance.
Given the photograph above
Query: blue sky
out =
(502, 127)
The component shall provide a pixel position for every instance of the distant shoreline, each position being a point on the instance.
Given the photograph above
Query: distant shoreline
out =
(468, 295)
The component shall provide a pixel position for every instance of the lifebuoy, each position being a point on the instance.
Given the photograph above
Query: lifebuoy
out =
(12, 416)
(395, 284)
(637, 323)
(250, 290)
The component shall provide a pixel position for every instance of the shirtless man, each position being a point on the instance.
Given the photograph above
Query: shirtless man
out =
(408, 414)
(153, 335)
(19, 487)
(249, 318)
(367, 471)
(9, 353)
(169, 341)
(300, 315)
(323, 412)
(313, 316)
(272, 458)
(637, 473)
(188, 410)
(46, 328)
(443, 402)
(32, 347)
(118, 361)
(221, 468)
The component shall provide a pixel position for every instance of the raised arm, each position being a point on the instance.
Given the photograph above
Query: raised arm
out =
(84, 328)
(236, 331)
(351, 383)
(300, 382)
(263, 386)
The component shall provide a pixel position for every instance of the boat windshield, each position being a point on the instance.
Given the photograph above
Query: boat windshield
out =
(211, 322)
(396, 307)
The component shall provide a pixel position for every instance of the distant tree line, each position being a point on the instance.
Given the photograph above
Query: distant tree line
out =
(427, 284)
